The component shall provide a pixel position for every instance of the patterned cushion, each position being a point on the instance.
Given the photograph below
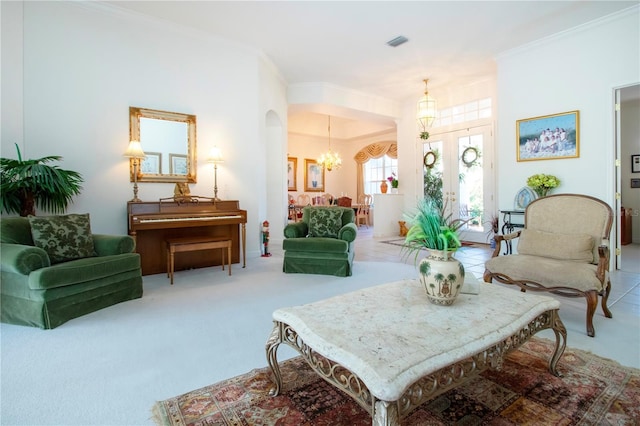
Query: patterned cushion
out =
(325, 222)
(63, 237)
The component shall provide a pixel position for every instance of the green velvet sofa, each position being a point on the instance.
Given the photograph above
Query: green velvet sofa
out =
(322, 242)
(39, 292)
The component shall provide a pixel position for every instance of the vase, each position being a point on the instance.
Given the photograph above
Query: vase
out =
(394, 190)
(442, 276)
(384, 187)
(541, 191)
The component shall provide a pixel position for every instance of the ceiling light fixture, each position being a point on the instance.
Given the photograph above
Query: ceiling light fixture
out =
(330, 160)
(397, 41)
(427, 107)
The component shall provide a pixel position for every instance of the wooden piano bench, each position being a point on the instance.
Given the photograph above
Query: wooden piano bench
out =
(187, 244)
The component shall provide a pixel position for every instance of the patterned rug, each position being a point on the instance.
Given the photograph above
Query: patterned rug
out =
(592, 391)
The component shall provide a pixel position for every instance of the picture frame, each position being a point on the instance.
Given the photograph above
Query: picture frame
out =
(151, 164)
(635, 183)
(548, 137)
(177, 164)
(635, 163)
(292, 173)
(313, 176)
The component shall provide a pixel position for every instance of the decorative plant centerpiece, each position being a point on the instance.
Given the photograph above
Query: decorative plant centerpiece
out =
(542, 183)
(432, 229)
(494, 228)
(25, 184)
(393, 180)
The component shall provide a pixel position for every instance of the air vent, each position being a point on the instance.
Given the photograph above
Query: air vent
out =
(397, 41)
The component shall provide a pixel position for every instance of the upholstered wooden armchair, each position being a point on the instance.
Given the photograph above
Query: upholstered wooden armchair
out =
(562, 249)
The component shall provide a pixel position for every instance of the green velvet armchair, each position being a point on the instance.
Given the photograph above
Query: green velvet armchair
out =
(322, 242)
(53, 270)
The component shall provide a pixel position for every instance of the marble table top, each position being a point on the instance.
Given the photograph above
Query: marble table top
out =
(391, 335)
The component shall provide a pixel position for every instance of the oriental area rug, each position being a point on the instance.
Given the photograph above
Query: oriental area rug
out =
(592, 391)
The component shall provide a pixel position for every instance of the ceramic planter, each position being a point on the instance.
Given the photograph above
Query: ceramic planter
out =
(442, 276)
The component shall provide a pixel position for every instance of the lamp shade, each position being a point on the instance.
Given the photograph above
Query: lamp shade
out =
(215, 156)
(427, 108)
(134, 150)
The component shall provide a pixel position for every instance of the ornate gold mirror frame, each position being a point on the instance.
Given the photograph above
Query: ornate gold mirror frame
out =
(169, 141)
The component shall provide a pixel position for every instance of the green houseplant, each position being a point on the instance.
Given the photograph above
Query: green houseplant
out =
(393, 180)
(25, 184)
(542, 183)
(434, 230)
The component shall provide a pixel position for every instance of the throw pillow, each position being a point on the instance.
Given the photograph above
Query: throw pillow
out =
(64, 238)
(325, 222)
(576, 247)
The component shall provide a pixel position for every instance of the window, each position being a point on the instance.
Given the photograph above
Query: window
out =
(470, 111)
(376, 170)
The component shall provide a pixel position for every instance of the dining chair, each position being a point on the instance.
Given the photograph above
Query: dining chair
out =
(304, 200)
(327, 199)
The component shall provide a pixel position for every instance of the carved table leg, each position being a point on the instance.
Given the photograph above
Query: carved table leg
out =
(385, 414)
(273, 342)
(561, 343)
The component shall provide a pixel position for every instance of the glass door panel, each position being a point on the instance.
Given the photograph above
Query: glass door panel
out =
(471, 185)
(455, 176)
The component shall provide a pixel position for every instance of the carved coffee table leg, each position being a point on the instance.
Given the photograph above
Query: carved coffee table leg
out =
(273, 342)
(561, 343)
(385, 414)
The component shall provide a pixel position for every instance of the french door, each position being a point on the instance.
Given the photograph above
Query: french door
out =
(458, 172)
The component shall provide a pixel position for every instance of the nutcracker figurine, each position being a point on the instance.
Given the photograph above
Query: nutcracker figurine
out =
(265, 238)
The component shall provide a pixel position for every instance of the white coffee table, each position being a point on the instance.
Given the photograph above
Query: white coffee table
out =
(392, 350)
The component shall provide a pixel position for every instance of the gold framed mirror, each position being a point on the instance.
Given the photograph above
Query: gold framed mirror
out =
(168, 140)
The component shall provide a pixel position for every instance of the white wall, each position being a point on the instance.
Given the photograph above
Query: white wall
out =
(11, 83)
(272, 204)
(86, 63)
(577, 70)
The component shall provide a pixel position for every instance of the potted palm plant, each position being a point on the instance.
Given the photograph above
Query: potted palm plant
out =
(27, 184)
(434, 230)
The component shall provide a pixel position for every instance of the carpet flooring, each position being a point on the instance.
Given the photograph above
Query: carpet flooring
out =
(592, 391)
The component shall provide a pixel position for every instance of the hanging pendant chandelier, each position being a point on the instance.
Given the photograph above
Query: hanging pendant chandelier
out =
(330, 160)
(427, 107)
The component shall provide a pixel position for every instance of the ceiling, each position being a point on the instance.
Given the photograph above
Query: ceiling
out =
(344, 43)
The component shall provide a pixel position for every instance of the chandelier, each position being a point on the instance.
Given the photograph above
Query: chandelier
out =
(330, 160)
(427, 107)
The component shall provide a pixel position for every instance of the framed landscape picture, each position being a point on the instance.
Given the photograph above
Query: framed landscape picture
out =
(548, 137)
(313, 176)
(177, 164)
(151, 163)
(292, 173)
